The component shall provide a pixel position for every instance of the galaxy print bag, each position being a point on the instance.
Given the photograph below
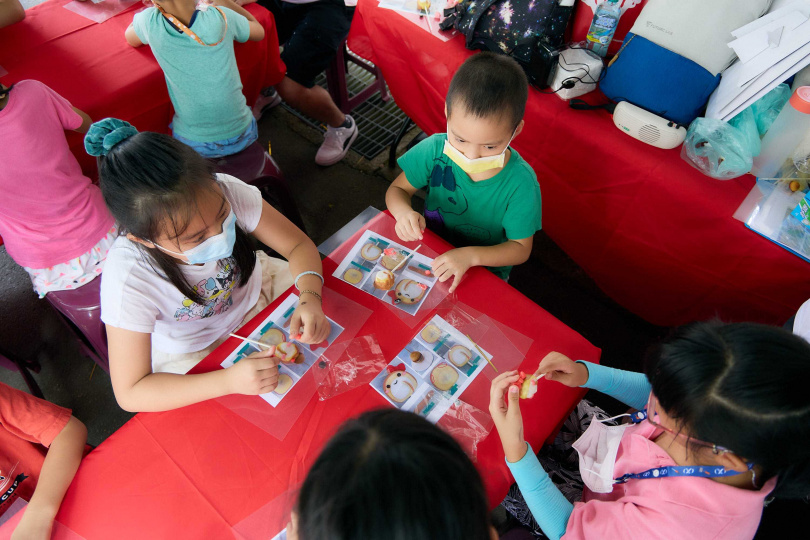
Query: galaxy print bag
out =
(523, 29)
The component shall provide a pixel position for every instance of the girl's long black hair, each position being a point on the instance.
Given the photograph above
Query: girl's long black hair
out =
(744, 387)
(150, 184)
(392, 475)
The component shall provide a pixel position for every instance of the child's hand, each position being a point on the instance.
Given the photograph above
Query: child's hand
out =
(254, 374)
(455, 262)
(410, 226)
(558, 367)
(506, 414)
(308, 323)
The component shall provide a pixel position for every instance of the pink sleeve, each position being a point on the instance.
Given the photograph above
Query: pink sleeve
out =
(64, 110)
(616, 519)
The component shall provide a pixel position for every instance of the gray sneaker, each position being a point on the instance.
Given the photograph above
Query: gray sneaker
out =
(336, 143)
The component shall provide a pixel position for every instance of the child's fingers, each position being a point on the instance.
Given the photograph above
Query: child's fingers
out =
(295, 324)
(456, 281)
(264, 363)
(263, 353)
(422, 223)
(504, 375)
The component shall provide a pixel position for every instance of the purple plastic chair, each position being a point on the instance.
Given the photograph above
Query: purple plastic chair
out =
(11, 362)
(81, 310)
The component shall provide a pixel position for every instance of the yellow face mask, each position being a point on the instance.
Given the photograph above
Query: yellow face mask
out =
(478, 165)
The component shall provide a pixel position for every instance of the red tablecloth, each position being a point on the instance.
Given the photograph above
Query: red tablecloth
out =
(197, 471)
(655, 234)
(98, 72)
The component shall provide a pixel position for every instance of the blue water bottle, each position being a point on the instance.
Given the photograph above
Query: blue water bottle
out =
(603, 26)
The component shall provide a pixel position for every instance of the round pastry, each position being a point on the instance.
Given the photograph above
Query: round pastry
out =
(284, 384)
(391, 259)
(286, 351)
(431, 333)
(399, 386)
(353, 276)
(371, 252)
(443, 376)
(416, 357)
(273, 337)
(384, 280)
(527, 385)
(459, 355)
(409, 291)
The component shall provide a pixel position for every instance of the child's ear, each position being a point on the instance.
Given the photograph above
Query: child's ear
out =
(446, 116)
(145, 243)
(519, 128)
(732, 462)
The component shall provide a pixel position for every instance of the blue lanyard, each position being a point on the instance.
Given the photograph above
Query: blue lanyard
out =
(703, 471)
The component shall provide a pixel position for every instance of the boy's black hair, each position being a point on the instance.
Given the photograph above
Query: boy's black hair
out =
(489, 84)
(392, 475)
(744, 387)
(150, 183)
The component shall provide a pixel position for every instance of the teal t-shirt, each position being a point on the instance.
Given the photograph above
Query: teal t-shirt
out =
(204, 83)
(467, 213)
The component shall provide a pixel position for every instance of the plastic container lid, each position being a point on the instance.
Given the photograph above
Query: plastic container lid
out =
(800, 100)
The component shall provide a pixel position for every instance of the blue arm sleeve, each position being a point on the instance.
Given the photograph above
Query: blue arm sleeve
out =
(629, 387)
(547, 504)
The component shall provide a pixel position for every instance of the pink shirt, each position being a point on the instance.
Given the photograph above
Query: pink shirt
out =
(50, 212)
(687, 507)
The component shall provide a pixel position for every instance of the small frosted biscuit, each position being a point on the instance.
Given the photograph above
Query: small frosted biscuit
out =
(416, 357)
(353, 276)
(371, 252)
(286, 351)
(399, 386)
(527, 385)
(431, 333)
(409, 291)
(384, 280)
(284, 384)
(391, 259)
(443, 376)
(459, 355)
(273, 337)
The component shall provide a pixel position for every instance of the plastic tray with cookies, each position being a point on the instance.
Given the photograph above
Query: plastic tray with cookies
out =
(382, 268)
(295, 358)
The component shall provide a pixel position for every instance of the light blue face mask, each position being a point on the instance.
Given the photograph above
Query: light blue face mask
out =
(219, 246)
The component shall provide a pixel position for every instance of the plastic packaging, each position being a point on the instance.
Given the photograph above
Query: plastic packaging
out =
(747, 124)
(270, 519)
(604, 24)
(717, 149)
(101, 11)
(348, 365)
(768, 107)
(468, 425)
(787, 131)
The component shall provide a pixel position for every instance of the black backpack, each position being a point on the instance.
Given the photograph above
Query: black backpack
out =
(530, 31)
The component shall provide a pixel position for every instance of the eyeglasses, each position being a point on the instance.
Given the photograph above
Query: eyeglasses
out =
(652, 417)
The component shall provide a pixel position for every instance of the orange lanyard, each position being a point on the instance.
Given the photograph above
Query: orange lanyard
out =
(187, 31)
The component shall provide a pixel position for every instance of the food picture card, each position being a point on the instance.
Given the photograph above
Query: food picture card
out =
(295, 357)
(432, 371)
(370, 266)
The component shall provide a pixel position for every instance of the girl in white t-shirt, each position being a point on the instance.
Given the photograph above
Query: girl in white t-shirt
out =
(183, 275)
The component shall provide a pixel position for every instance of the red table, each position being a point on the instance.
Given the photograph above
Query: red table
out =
(197, 471)
(655, 234)
(98, 72)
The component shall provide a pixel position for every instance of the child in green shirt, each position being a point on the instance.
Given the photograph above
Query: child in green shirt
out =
(481, 195)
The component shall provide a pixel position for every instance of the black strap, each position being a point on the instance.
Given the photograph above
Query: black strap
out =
(582, 105)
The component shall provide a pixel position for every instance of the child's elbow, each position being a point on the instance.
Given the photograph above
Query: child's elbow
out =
(256, 31)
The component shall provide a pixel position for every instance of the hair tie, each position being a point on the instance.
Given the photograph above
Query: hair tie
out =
(105, 134)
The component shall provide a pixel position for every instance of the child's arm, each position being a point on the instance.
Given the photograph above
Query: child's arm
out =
(457, 261)
(137, 389)
(57, 473)
(86, 121)
(11, 11)
(410, 224)
(280, 234)
(132, 37)
(256, 28)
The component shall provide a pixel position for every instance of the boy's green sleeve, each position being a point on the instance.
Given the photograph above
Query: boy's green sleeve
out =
(140, 23)
(417, 162)
(238, 25)
(524, 214)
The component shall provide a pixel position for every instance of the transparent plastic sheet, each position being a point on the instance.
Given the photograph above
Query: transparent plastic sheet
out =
(99, 12)
(768, 107)
(12, 516)
(348, 365)
(269, 520)
(468, 425)
(277, 421)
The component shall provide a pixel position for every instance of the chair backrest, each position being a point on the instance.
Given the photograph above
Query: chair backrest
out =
(82, 308)
(248, 164)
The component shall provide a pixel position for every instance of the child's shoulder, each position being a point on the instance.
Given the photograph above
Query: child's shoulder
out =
(521, 170)
(430, 146)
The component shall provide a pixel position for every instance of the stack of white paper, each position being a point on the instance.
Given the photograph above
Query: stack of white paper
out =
(769, 50)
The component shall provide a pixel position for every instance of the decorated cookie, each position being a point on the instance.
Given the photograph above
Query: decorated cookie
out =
(286, 351)
(416, 357)
(383, 280)
(391, 258)
(421, 271)
(371, 252)
(353, 276)
(409, 291)
(274, 336)
(284, 384)
(527, 385)
(443, 376)
(431, 333)
(399, 385)
(459, 355)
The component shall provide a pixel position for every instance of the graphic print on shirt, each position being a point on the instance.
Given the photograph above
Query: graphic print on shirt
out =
(451, 201)
(215, 290)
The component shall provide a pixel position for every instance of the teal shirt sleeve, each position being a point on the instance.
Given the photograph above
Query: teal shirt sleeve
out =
(140, 23)
(523, 216)
(238, 25)
(629, 387)
(547, 504)
(417, 163)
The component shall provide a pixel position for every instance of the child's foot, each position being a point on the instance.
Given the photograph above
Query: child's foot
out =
(268, 98)
(336, 142)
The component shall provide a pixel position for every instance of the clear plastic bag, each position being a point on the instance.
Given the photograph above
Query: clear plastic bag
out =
(768, 107)
(348, 365)
(468, 425)
(101, 11)
(717, 149)
(747, 125)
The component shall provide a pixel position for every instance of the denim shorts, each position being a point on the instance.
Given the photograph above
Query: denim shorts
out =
(227, 147)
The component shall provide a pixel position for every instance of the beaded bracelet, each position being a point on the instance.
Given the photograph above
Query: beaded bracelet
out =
(308, 272)
(313, 293)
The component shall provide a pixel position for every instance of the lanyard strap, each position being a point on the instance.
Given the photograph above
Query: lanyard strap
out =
(187, 31)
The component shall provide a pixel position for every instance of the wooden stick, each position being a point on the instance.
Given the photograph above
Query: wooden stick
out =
(397, 267)
(482, 353)
(253, 341)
